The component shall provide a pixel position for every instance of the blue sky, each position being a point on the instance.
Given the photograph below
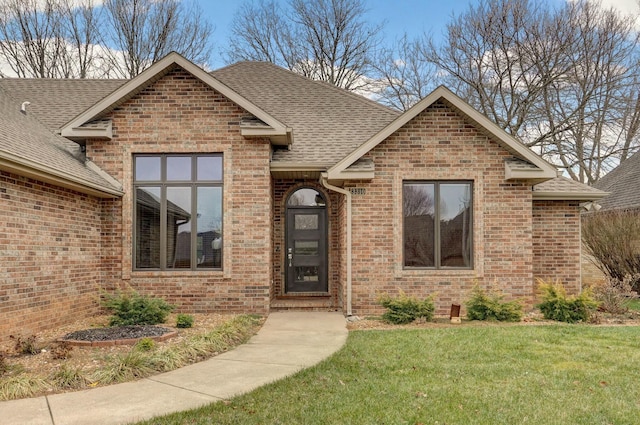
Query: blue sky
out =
(410, 16)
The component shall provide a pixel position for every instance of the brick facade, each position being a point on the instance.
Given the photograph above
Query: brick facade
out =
(50, 255)
(179, 114)
(439, 145)
(557, 243)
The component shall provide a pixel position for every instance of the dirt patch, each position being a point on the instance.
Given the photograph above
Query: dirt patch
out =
(630, 318)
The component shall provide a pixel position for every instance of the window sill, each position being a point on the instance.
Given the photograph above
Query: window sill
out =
(176, 273)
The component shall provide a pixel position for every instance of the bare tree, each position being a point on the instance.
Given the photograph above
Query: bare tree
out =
(80, 22)
(560, 79)
(327, 40)
(31, 37)
(143, 31)
(403, 73)
(79, 38)
(596, 92)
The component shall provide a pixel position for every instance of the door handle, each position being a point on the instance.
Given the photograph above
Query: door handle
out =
(290, 256)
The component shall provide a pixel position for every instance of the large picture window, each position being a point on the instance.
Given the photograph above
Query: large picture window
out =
(438, 224)
(178, 212)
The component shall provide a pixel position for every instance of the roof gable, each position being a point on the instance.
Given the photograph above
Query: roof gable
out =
(541, 171)
(76, 128)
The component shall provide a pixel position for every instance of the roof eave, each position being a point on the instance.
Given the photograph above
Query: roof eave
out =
(536, 176)
(80, 133)
(36, 171)
(277, 136)
(567, 196)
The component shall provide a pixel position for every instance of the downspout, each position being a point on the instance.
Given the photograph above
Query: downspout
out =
(347, 194)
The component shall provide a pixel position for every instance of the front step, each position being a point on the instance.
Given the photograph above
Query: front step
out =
(293, 303)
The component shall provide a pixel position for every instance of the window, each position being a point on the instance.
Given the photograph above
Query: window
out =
(178, 212)
(438, 224)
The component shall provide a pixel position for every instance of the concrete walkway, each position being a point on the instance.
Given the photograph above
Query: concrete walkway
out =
(287, 343)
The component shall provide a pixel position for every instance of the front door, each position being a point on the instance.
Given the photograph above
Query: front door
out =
(306, 249)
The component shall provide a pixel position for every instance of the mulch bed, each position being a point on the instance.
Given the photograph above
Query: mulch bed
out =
(117, 335)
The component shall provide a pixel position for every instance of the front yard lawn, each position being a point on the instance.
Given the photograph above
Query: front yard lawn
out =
(496, 374)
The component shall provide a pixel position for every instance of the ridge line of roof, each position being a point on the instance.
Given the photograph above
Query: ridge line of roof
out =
(324, 84)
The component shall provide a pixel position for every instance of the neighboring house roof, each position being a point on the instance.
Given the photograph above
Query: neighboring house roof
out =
(28, 148)
(328, 122)
(623, 184)
(562, 188)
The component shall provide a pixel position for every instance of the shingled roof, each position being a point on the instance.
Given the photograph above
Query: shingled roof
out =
(29, 148)
(623, 184)
(328, 122)
(56, 102)
(562, 188)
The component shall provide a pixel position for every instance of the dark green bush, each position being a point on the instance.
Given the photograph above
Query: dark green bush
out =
(556, 305)
(184, 321)
(404, 309)
(131, 308)
(483, 305)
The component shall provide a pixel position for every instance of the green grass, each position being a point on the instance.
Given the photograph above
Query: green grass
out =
(556, 374)
(634, 304)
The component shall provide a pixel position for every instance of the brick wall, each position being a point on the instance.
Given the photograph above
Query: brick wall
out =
(439, 145)
(556, 242)
(179, 114)
(49, 255)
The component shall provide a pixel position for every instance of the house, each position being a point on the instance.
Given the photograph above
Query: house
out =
(252, 189)
(622, 187)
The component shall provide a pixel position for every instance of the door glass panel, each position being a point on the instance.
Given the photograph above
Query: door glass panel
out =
(306, 197)
(306, 247)
(306, 221)
(307, 274)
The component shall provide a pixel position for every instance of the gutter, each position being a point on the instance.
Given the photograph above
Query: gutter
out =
(30, 169)
(347, 194)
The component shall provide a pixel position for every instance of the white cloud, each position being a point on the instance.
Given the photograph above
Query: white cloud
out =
(627, 7)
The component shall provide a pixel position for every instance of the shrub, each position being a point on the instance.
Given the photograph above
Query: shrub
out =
(67, 377)
(556, 305)
(404, 309)
(483, 305)
(4, 365)
(614, 294)
(25, 344)
(184, 321)
(145, 344)
(131, 308)
(61, 350)
(611, 238)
